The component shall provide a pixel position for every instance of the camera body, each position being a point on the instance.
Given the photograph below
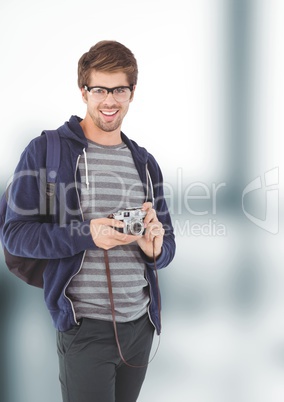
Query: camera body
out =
(133, 219)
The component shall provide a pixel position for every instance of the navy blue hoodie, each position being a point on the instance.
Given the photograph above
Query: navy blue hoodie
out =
(64, 240)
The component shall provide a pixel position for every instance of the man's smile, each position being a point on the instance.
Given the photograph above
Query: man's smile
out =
(109, 114)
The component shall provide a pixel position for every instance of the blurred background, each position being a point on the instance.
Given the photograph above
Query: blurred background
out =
(209, 107)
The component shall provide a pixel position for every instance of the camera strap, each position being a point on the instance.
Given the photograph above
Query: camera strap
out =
(108, 274)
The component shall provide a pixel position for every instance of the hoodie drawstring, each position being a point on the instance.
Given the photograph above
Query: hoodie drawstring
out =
(149, 186)
(86, 169)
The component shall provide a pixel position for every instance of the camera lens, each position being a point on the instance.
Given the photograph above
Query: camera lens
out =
(136, 228)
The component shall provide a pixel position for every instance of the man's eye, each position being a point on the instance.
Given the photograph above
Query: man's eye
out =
(98, 91)
(120, 90)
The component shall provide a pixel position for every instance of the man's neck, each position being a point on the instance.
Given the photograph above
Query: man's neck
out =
(99, 136)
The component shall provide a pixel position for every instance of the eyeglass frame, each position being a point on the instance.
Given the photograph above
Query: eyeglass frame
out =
(110, 90)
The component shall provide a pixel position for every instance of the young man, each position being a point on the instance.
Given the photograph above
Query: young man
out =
(104, 324)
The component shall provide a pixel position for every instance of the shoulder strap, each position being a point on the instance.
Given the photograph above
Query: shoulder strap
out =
(52, 166)
(52, 155)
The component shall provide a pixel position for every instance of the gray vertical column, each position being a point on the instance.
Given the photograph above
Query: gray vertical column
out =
(245, 291)
(239, 150)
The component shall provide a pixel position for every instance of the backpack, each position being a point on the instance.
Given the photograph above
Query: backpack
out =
(30, 270)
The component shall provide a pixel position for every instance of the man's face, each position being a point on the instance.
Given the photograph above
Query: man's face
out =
(108, 114)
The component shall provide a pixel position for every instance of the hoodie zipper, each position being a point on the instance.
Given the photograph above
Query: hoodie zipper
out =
(76, 273)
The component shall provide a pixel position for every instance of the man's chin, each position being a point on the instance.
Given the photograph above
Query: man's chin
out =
(109, 127)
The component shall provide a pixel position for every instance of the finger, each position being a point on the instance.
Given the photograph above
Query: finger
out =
(124, 238)
(146, 206)
(116, 223)
(150, 217)
(105, 227)
(110, 222)
(154, 230)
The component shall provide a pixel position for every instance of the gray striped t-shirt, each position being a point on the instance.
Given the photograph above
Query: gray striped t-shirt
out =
(114, 184)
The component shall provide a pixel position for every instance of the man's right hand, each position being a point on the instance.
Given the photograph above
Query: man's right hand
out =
(105, 236)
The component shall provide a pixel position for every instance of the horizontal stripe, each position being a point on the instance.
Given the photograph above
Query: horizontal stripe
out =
(115, 188)
(101, 314)
(103, 297)
(114, 197)
(127, 308)
(115, 171)
(112, 160)
(128, 281)
(91, 286)
(97, 268)
(114, 258)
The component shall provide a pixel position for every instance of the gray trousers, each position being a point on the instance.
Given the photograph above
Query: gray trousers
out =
(90, 368)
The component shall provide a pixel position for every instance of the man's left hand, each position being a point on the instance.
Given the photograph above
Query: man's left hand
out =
(153, 230)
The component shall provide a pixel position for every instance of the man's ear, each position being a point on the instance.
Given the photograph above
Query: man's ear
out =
(84, 95)
(132, 93)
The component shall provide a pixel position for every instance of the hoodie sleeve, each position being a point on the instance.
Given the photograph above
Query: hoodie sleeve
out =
(160, 205)
(26, 232)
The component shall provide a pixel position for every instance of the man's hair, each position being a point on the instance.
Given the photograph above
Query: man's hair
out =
(107, 56)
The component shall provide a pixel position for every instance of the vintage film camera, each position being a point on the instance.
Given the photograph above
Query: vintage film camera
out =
(133, 219)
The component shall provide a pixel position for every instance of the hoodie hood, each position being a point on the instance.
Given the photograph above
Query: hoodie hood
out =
(140, 152)
(72, 130)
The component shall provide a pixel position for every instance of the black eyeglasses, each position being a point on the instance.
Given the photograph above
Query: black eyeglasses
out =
(120, 94)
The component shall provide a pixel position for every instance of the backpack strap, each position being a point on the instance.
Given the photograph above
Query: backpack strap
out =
(52, 166)
(52, 155)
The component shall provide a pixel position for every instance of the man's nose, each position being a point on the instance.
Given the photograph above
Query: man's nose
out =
(109, 98)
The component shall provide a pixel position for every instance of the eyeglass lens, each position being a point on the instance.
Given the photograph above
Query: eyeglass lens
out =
(119, 94)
